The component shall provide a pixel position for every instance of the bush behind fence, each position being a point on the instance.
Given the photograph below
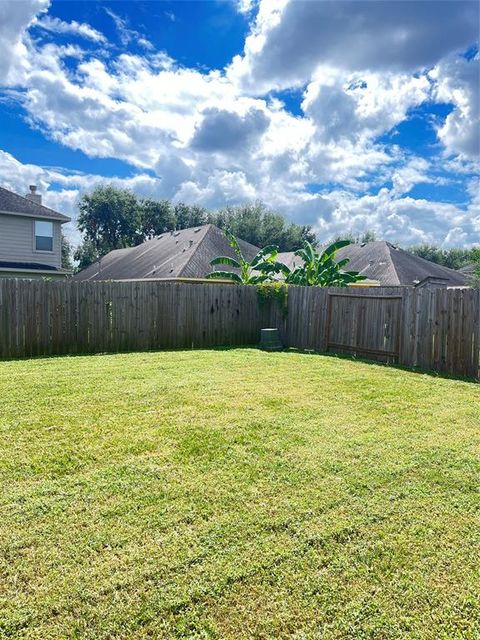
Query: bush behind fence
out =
(434, 329)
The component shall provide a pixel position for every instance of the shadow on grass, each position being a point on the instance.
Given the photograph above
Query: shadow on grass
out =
(390, 365)
(288, 350)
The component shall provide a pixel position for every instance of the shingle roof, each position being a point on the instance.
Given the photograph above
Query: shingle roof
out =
(13, 203)
(186, 253)
(468, 269)
(388, 264)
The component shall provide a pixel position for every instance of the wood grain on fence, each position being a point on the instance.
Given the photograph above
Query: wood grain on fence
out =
(428, 328)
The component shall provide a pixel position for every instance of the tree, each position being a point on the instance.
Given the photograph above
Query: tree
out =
(187, 216)
(368, 235)
(157, 216)
(85, 254)
(247, 275)
(110, 219)
(66, 254)
(454, 258)
(257, 224)
(317, 269)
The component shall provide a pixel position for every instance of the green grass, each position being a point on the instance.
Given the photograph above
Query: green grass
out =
(237, 494)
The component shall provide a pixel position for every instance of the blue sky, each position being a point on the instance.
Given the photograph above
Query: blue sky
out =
(340, 126)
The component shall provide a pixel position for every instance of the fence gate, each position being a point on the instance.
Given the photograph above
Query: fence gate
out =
(364, 325)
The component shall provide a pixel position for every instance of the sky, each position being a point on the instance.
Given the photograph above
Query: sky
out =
(347, 115)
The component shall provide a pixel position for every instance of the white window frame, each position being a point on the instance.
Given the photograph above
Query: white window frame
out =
(49, 251)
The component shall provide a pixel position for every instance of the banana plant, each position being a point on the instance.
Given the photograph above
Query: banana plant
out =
(317, 269)
(253, 272)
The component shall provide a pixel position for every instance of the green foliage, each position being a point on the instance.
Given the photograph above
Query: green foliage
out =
(158, 216)
(257, 224)
(186, 215)
(368, 235)
(453, 258)
(66, 254)
(318, 269)
(110, 219)
(277, 291)
(253, 272)
(85, 254)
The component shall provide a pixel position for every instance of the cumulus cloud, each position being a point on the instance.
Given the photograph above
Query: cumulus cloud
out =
(457, 82)
(289, 39)
(227, 131)
(403, 220)
(15, 18)
(359, 106)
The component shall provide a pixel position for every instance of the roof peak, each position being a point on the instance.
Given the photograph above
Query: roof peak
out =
(14, 203)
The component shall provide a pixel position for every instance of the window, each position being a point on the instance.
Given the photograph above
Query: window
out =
(43, 236)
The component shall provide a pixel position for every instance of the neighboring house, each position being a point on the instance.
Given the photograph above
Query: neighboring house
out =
(187, 254)
(390, 266)
(30, 237)
(172, 255)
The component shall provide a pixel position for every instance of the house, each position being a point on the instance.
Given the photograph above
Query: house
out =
(172, 255)
(30, 237)
(390, 266)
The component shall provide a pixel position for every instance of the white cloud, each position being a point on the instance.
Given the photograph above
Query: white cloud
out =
(126, 34)
(245, 6)
(15, 18)
(406, 177)
(290, 39)
(402, 220)
(55, 25)
(457, 82)
(361, 105)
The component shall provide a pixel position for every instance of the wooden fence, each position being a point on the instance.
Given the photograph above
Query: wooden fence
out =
(430, 328)
(433, 329)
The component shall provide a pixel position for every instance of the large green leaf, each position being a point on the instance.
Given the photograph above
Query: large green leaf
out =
(268, 253)
(332, 249)
(342, 263)
(273, 267)
(231, 262)
(224, 275)
(258, 279)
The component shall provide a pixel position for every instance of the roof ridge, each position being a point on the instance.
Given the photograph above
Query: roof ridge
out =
(389, 247)
(190, 256)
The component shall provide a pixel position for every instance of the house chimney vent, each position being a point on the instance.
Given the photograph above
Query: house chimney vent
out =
(33, 195)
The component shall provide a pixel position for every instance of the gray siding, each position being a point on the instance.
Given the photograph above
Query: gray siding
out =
(17, 241)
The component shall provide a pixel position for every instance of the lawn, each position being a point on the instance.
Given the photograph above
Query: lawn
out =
(237, 494)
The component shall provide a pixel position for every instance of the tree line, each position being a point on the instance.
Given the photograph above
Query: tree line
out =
(111, 218)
